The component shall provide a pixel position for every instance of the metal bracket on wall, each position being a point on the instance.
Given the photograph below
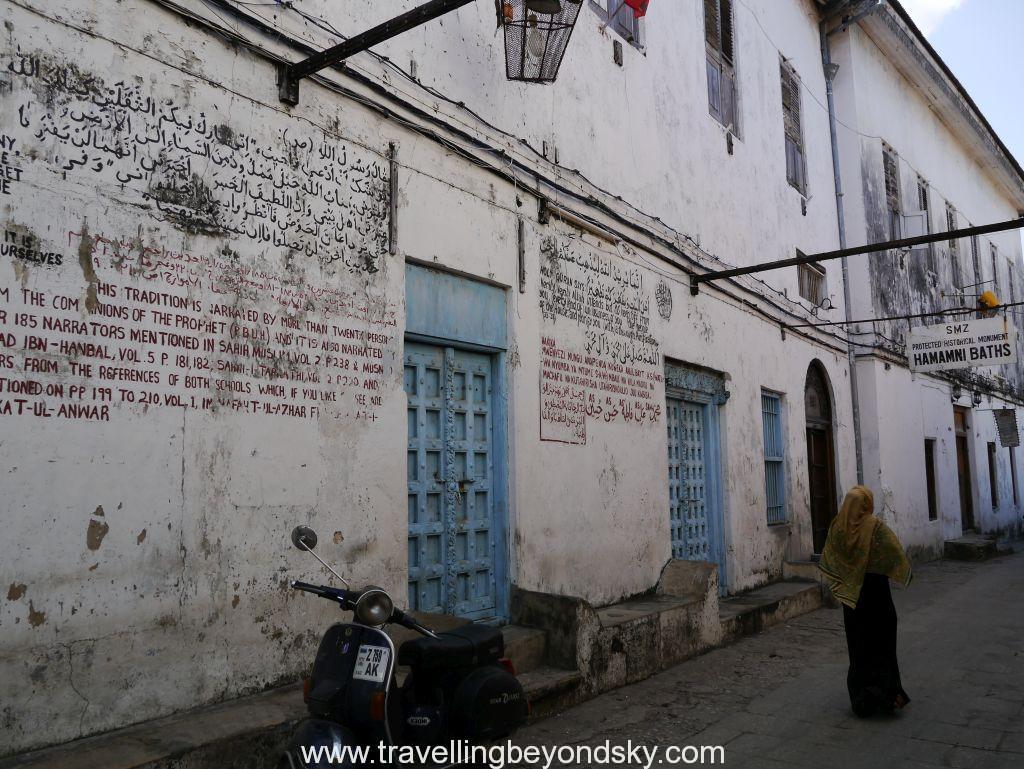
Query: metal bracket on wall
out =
(289, 75)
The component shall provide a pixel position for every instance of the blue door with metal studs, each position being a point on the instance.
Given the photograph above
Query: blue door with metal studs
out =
(696, 523)
(457, 473)
(452, 547)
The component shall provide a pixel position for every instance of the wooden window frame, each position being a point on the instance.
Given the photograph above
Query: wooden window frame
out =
(816, 273)
(893, 197)
(720, 63)
(929, 479)
(994, 251)
(1013, 474)
(993, 475)
(792, 128)
(952, 223)
(634, 34)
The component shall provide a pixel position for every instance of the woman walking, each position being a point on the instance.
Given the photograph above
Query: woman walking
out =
(860, 556)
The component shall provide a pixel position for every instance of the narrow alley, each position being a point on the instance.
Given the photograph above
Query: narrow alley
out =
(778, 699)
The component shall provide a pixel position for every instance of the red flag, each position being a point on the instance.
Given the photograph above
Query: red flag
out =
(639, 7)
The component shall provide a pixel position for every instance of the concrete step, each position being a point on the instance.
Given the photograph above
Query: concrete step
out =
(525, 646)
(759, 609)
(251, 731)
(245, 732)
(801, 570)
(549, 689)
(971, 547)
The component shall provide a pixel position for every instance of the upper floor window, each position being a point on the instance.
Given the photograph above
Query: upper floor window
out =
(796, 170)
(620, 19)
(995, 268)
(954, 244)
(891, 167)
(1013, 282)
(915, 223)
(976, 258)
(811, 278)
(720, 42)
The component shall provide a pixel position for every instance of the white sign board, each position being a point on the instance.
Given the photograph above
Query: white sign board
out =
(965, 343)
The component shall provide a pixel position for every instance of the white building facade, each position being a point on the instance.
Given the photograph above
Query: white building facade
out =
(917, 157)
(442, 318)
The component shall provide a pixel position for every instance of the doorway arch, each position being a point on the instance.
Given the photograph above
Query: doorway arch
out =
(821, 470)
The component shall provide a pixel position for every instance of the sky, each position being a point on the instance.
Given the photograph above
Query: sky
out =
(982, 42)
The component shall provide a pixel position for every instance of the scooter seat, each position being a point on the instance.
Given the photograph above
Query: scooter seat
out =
(466, 646)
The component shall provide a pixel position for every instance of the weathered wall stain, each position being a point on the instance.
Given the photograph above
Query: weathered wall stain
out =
(97, 530)
(15, 591)
(88, 270)
(35, 618)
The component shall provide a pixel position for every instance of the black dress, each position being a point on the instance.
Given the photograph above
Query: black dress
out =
(874, 676)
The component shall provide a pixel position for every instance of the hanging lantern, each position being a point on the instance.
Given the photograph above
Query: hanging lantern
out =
(536, 35)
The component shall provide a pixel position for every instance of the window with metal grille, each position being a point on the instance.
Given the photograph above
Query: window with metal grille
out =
(774, 458)
(993, 476)
(796, 171)
(620, 19)
(891, 167)
(719, 38)
(811, 278)
(929, 475)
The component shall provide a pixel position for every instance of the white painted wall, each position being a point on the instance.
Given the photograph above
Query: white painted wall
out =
(147, 554)
(876, 102)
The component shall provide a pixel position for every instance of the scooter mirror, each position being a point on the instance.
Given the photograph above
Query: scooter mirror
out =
(304, 538)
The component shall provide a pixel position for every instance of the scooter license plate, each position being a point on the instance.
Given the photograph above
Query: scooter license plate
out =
(372, 663)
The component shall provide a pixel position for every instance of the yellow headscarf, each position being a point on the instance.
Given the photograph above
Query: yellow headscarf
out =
(858, 543)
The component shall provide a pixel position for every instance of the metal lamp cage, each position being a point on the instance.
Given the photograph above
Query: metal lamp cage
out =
(535, 41)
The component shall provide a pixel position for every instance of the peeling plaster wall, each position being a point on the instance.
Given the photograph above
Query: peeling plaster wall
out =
(148, 545)
(642, 130)
(898, 409)
(149, 480)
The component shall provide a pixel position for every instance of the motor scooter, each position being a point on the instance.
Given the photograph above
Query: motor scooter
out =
(459, 689)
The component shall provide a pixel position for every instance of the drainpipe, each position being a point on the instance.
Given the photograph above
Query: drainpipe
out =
(830, 73)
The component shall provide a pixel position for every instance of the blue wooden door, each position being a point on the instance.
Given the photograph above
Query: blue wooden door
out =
(694, 513)
(453, 543)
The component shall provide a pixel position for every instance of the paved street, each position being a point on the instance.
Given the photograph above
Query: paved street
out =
(779, 699)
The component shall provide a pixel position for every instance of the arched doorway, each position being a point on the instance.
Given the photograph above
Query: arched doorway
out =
(821, 469)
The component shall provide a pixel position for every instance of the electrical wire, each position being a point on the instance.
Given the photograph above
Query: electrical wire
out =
(672, 245)
(324, 25)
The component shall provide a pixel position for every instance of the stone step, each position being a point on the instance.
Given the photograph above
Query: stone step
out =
(971, 547)
(525, 646)
(759, 609)
(801, 570)
(258, 727)
(248, 731)
(255, 727)
(549, 689)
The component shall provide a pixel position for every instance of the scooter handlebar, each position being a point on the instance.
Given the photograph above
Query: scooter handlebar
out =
(406, 620)
(331, 593)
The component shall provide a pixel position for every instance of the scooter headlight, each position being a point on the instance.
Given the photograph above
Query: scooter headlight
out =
(374, 607)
